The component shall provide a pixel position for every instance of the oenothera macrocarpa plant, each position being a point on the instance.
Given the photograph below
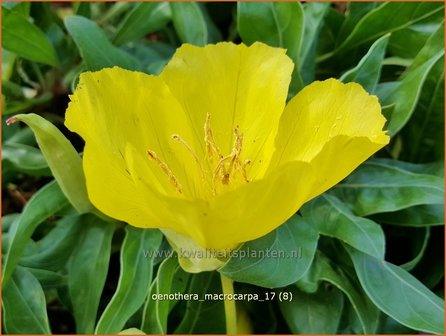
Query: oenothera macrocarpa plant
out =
(210, 153)
(231, 160)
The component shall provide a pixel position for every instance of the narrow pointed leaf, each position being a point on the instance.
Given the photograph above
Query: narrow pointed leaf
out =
(53, 251)
(400, 295)
(424, 133)
(377, 186)
(406, 93)
(145, 18)
(382, 20)
(156, 312)
(322, 270)
(192, 24)
(63, 160)
(368, 70)
(331, 217)
(417, 216)
(314, 16)
(95, 48)
(88, 270)
(25, 159)
(26, 39)
(134, 279)
(45, 203)
(24, 305)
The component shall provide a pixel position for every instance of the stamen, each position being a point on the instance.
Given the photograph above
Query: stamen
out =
(176, 137)
(234, 158)
(245, 174)
(237, 149)
(211, 145)
(229, 168)
(220, 166)
(172, 179)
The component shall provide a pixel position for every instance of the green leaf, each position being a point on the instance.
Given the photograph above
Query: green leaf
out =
(314, 15)
(152, 55)
(406, 43)
(399, 294)
(382, 20)
(405, 94)
(88, 270)
(134, 279)
(422, 241)
(145, 18)
(424, 133)
(48, 279)
(8, 61)
(22, 8)
(63, 160)
(368, 70)
(192, 24)
(94, 47)
(355, 12)
(277, 259)
(54, 249)
(26, 39)
(432, 168)
(203, 316)
(334, 219)
(378, 186)
(45, 203)
(322, 270)
(24, 305)
(25, 159)
(8, 220)
(316, 313)
(333, 20)
(278, 24)
(156, 312)
(417, 216)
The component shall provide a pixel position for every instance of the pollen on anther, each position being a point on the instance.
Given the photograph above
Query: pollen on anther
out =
(165, 168)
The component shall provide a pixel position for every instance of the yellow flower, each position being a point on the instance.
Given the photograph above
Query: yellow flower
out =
(208, 151)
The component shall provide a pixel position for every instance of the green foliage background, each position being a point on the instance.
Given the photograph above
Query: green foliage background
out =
(372, 246)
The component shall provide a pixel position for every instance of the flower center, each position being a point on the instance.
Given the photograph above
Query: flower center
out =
(223, 170)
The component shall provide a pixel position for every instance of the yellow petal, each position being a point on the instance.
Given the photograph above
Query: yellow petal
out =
(235, 85)
(246, 213)
(261, 206)
(338, 158)
(121, 115)
(333, 126)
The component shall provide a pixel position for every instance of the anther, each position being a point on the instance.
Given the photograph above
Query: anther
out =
(221, 166)
(172, 179)
(233, 158)
(211, 145)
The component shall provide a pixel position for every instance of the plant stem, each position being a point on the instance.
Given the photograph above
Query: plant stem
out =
(230, 311)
